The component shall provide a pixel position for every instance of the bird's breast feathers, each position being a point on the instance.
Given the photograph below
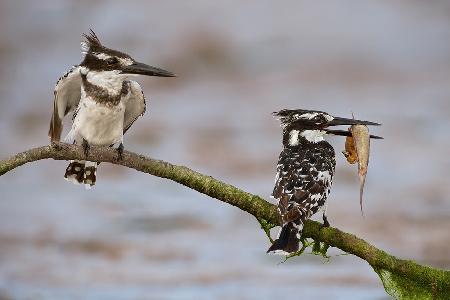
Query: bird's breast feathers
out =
(304, 176)
(99, 124)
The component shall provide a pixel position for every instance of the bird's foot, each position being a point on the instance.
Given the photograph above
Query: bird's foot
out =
(86, 148)
(120, 152)
(55, 145)
(325, 222)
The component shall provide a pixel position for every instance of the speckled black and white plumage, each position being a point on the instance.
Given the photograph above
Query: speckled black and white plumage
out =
(305, 172)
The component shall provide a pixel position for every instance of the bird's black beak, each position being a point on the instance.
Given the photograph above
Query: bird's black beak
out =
(347, 133)
(344, 121)
(143, 69)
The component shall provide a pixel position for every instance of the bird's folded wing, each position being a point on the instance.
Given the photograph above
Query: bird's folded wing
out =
(67, 96)
(135, 106)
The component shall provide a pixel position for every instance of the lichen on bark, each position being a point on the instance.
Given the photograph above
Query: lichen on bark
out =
(402, 279)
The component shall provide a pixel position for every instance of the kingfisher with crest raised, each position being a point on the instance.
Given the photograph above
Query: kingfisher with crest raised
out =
(103, 101)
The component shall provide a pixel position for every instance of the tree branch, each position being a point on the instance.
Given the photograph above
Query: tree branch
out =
(390, 269)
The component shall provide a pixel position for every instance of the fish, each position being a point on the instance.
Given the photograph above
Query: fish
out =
(350, 151)
(357, 149)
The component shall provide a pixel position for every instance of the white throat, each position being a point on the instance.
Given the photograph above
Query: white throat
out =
(313, 136)
(109, 80)
(293, 137)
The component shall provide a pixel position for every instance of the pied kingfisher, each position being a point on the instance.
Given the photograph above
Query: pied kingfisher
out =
(305, 171)
(104, 102)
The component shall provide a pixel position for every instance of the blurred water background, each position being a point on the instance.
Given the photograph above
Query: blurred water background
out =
(135, 236)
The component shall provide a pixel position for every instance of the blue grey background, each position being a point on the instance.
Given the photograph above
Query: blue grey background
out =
(139, 237)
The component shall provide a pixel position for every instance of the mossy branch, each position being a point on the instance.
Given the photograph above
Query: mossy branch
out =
(394, 272)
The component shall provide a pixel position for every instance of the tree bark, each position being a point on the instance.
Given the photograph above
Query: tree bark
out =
(404, 274)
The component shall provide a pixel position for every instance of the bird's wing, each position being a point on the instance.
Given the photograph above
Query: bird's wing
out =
(67, 96)
(135, 106)
(299, 188)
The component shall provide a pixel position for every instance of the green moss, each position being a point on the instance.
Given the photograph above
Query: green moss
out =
(404, 288)
(316, 247)
(402, 279)
(305, 244)
(266, 226)
(324, 249)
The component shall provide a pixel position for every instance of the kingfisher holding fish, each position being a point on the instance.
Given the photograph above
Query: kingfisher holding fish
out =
(305, 171)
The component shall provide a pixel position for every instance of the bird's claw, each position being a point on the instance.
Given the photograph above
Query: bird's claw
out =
(325, 222)
(120, 152)
(55, 145)
(86, 148)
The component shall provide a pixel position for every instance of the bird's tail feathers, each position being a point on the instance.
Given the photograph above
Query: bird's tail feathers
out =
(82, 172)
(75, 171)
(90, 174)
(288, 240)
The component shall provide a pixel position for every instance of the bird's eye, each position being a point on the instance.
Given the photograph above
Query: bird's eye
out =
(112, 60)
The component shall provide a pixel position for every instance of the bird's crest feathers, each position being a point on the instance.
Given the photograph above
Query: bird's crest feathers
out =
(91, 43)
(303, 118)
